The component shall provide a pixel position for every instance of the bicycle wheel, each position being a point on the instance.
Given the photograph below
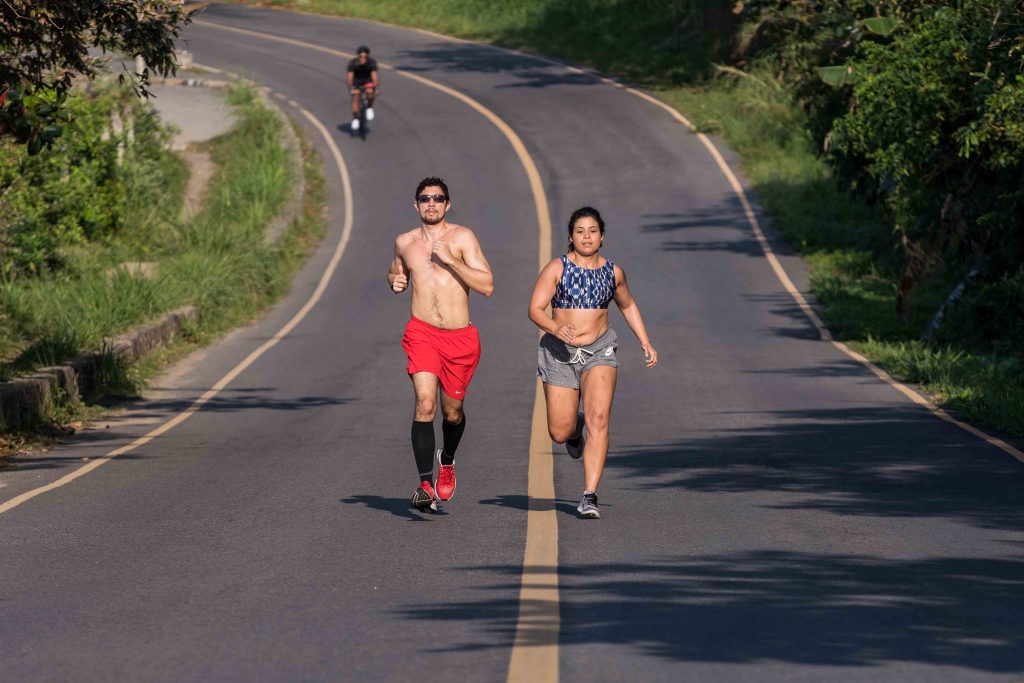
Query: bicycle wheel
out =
(362, 114)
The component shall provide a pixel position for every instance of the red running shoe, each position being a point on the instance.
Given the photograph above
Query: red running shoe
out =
(445, 482)
(424, 498)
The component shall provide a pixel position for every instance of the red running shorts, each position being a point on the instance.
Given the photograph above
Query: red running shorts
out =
(451, 355)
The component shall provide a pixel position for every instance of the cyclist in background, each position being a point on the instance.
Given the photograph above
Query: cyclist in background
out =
(362, 72)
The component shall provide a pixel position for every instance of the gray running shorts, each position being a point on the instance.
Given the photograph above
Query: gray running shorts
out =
(561, 364)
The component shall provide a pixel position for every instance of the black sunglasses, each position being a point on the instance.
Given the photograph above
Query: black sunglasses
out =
(438, 198)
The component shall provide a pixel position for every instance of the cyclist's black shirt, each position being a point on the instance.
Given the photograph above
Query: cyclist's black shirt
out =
(361, 72)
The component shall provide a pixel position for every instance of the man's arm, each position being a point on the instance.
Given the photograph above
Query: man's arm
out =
(472, 268)
(398, 278)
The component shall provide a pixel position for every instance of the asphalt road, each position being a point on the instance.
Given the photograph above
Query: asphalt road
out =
(772, 511)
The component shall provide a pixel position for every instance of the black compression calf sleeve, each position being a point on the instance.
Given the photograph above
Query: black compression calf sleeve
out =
(423, 449)
(452, 435)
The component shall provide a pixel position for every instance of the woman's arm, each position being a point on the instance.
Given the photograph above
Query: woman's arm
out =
(631, 312)
(543, 291)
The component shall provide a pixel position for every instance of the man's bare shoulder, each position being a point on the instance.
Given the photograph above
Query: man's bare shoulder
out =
(406, 237)
(459, 232)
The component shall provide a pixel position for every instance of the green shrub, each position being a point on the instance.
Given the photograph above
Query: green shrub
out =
(85, 187)
(989, 318)
(219, 261)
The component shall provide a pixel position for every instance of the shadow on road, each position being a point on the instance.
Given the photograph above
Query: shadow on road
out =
(227, 401)
(726, 214)
(522, 502)
(681, 225)
(57, 461)
(346, 128)
(151, 413)
(399, 507)
(854, 609)
(529, 72)
(884, 461)
(512, 501)
(827, 610)
(804, 608)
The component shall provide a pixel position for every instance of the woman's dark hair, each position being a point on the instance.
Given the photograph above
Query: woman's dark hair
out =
(583, 212)
(432, 182)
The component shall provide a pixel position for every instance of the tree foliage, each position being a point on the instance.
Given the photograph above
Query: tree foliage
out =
(46, 44)
(918, 105)
(935, 128)
(808, 42)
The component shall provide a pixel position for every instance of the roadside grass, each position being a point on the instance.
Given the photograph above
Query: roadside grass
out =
(218, 261)
(52, 317)
(228, 268)
(660, 44)
(268, 278)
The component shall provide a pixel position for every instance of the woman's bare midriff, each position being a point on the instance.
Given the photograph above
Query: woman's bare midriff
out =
(590, 323)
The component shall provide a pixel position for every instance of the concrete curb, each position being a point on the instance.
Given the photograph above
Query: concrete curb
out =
(24, 400)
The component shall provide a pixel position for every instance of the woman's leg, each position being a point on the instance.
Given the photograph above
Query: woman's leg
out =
(563, 404)
(597, 385)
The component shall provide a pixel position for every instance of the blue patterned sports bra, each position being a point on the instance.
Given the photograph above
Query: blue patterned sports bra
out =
(584, 287)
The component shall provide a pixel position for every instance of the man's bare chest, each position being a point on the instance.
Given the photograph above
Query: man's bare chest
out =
(420, 260)
(418, 256)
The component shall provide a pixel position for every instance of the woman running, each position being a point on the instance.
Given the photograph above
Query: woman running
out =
(577, 352)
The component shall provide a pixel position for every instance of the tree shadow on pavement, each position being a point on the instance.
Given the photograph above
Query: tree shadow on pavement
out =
(528, 72)
(726, 214)
(855, 609)
(228, 401)
(799, 608)
(885, 461)
(690, 229)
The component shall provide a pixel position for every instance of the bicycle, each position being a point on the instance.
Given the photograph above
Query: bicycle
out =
(364, 104)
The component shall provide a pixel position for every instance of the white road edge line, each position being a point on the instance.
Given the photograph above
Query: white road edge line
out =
(787, 284)
(245, 363)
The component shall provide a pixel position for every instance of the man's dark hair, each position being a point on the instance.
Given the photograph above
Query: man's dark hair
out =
(583, 212)
(363, 49)
(431, 182)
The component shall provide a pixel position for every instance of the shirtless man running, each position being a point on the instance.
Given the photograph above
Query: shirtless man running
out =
(443, 261)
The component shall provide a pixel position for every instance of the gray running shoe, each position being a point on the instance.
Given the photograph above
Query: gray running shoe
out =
(424, 498)
(588, 507)
(575, 446)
